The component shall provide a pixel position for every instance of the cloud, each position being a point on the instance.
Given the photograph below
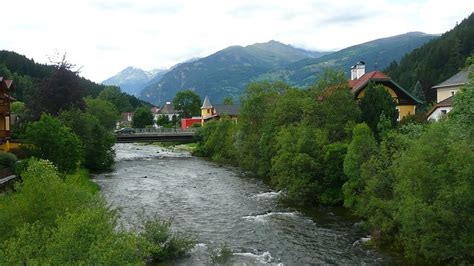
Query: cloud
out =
(105, 36)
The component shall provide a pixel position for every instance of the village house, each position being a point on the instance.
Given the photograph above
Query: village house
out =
(211, 112)
(445, 92)
(125, 120)
(167, 110)
(6, 87)
(406, 103)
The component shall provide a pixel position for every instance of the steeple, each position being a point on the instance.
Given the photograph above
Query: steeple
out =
(206, 104)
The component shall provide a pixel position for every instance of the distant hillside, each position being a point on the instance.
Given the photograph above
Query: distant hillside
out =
(225, 73)
(377, 54)
(132, 80)
(437, 60)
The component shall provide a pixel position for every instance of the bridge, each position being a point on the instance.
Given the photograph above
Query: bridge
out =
(158, 135)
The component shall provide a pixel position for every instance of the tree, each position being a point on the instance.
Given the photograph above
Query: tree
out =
(97, 142)
(58, 92)
(188, 103)
(105, 111)
(375, 102)
(55, 142)
(116, 97)
(418, 92)
(142, 118)
(361, 148)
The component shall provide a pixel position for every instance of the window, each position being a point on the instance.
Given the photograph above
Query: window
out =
(443, 112)
(452, 93)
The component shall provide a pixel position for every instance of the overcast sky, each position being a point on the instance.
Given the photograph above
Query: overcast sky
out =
(104, 37)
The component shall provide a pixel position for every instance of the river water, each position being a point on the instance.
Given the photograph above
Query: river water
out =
(221, 205)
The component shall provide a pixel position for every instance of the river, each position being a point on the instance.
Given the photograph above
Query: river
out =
(221, 205)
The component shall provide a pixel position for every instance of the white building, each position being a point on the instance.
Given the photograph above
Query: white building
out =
(445, 92)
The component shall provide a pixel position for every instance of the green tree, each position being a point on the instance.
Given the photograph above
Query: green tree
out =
(361, 148)
(116, 97)
(54, 141)
(98, 153)
(375, 102)
(103, 110)
(142, 118)
(188, 103)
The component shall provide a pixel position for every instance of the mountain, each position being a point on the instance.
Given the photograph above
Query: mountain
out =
(377, 54)
(226, 72)
(132, 80)
(437, 60)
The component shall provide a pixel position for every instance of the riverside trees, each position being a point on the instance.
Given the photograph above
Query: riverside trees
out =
(412, 182)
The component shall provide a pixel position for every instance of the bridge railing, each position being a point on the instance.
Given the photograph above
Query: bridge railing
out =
(163, 130)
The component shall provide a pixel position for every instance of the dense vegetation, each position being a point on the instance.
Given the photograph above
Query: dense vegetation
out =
(60, 219)
(411, 182)
(437, 60)
(54, 215)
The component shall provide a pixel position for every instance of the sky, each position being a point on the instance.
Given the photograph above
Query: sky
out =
(104, 37)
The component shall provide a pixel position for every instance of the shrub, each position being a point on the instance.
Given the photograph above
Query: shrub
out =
(55, 142)
(7, 160)
(162, 243)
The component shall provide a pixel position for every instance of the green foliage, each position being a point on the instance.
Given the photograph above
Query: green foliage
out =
(97, 142)
(113, 95)
(297, 163)
(463, 109)
(220, 255)
(333, 178)
(103, 110)
(142, 118)
(7, 160)
(361, 148)
(217, 141)
(435, 187)
(54, 141)
(55, 219)
(162, 243)
(375, 102)
(188, 103)
(42, 197)
(17, 107)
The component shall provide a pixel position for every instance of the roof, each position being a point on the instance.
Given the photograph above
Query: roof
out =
(227, 109)
(360, 82)
(461, 78)
(7, 83)
(448, 102)
(357, 85)
(167, 108)
(206, 104)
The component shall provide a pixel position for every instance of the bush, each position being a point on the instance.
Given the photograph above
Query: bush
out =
(7, 160)
(55, 142)
(220, 255)
(162, 243)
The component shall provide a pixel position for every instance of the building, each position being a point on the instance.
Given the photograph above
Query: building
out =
(406, 103)
(6, 88)
(209, 111)
(125, 120)
(168, 110)
(188, 122)
(445, 92)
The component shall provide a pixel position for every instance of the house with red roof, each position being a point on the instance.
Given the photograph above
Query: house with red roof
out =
(406, 103)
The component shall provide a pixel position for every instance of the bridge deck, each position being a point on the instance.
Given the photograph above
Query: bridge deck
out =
(158, 136)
